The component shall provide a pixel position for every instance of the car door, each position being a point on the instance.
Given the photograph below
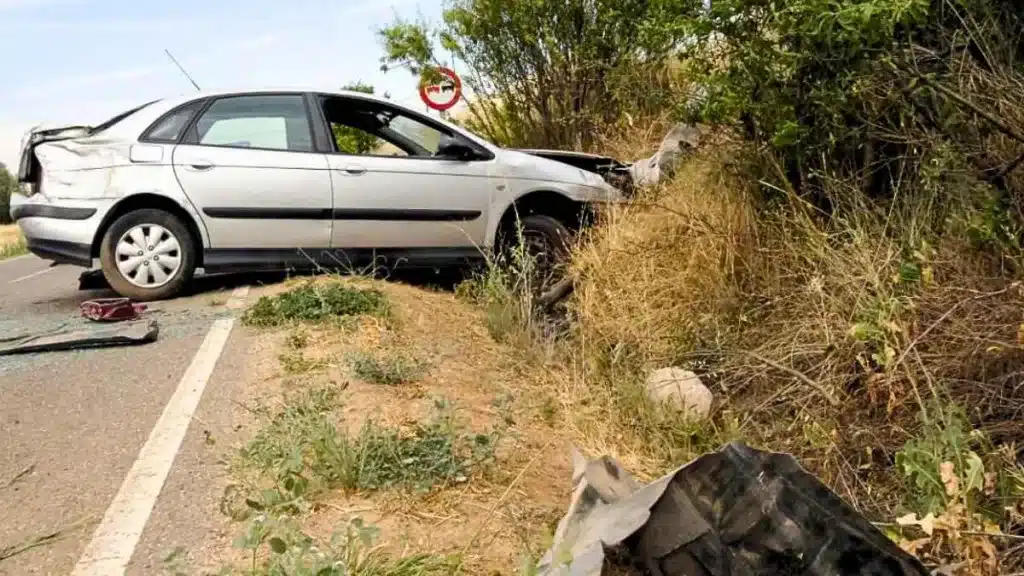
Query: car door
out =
(248, 164)
(395, 194)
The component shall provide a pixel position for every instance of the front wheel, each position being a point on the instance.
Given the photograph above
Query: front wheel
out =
(543, 252)
(148, 255)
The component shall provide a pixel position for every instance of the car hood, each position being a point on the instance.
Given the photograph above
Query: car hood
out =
(615, 173)
(532, 167)
(589, 162)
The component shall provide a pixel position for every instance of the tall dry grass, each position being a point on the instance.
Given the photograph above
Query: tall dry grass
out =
(829, 336)
(11, 242)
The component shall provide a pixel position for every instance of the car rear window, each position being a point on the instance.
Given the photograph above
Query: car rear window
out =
(106, 125)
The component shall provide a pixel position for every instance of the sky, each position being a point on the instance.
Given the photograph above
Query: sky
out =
(83, 61)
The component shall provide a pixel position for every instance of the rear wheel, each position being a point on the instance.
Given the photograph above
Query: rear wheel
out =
(148, 255)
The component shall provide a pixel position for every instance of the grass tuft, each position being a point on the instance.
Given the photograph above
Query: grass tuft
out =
(301, 450)
(316, 302)
(387, 368)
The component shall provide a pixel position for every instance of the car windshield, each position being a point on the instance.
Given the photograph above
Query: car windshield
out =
(106, 125)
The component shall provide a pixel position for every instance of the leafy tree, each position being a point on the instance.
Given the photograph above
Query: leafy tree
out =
(351, 140)
(8, 185)
(542, 71)
(861, 88)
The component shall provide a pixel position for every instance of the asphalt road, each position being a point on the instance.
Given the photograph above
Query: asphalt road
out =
(115, 452)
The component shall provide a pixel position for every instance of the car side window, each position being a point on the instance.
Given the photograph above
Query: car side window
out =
(425, 136)
(368, 128)
(169, 128)
(269, 122)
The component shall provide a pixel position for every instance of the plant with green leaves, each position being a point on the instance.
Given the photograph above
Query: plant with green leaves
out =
(8, 186)
(316, 302)
(349, 552)
(951, 465)
(387, 368)
(541, 71)
(301, 451)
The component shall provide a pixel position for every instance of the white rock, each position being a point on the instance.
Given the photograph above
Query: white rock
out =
(682, 390)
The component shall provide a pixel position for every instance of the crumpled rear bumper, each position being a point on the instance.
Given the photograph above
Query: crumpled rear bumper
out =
(60, 230)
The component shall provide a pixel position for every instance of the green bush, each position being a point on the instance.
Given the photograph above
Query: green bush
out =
(542, 72)
(8, 184)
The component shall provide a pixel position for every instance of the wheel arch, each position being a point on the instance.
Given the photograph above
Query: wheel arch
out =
(151, 201)
(573, 213)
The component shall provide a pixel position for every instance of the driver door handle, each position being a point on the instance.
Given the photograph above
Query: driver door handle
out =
(354, 169)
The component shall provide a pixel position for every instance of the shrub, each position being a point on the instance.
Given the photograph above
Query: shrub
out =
(8, 185)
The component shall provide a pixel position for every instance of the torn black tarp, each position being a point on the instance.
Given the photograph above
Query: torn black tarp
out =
(735, 512)
(128, 334)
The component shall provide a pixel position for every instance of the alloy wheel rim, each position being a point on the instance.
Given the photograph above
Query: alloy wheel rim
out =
(148, 256)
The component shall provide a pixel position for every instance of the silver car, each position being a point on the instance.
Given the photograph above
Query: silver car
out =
(272, 180)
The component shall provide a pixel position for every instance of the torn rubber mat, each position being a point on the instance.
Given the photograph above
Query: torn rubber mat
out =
(131, 334)
(111, 309)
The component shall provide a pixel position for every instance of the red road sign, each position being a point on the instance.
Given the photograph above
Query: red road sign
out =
(444, 95)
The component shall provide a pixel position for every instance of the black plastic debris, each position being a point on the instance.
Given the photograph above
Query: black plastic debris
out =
(735, 512)
(101, 336)
(92, 280)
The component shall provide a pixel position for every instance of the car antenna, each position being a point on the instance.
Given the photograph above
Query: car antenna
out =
(180, 67)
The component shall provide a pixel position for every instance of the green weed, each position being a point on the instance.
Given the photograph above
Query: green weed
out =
(301, 451)
(349, 552)
(950, 463)
(316, 303)
(295, 362)
(389, 369)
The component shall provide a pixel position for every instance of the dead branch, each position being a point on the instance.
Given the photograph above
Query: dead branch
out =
(557, 293)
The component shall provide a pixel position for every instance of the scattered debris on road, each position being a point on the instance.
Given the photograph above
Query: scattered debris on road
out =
(735, 511)
(111, 309)
(131, 334)
(24, 472)
(46, 539)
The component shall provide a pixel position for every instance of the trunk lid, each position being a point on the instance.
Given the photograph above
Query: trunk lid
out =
(29, 169)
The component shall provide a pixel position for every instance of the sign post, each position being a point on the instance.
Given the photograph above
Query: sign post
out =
(445, 94)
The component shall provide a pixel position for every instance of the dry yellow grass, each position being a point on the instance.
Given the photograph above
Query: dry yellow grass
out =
(823, 336)
(11, 241)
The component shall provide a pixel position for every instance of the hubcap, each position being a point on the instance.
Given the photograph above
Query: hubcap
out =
(148, 256)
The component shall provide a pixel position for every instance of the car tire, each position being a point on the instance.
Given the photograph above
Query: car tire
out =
(547, 241)
(132, 249)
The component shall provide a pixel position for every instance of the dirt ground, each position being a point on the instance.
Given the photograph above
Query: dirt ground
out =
(497, 518)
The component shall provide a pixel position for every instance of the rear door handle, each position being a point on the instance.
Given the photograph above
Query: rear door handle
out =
(354, 169)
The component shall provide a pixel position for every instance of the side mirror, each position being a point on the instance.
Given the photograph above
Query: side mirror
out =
(456, 149)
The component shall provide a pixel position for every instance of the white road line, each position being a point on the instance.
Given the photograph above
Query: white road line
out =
(114, 541)
(32, 275)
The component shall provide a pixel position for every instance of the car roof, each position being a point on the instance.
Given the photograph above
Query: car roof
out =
(182, 98)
